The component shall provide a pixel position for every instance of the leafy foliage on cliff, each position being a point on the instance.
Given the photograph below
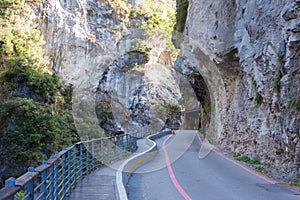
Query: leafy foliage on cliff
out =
(181, 14)
(35, 107)
(154, 18)
(158, 20)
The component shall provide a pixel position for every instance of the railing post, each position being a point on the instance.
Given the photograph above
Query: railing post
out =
(11, 182)
(29, 186)
(81, 161)
(108, 148)
(130, 142)
(74, 166)
(51, 182)
(63, 187)
(44, 183)
(119, 149)
(124, 145)
(116, 145)
(135, 143)
(102, 152)
(120, 141)
(87, 158)
(69, 172)
(127, 142)
(93, 155)
(56, 178)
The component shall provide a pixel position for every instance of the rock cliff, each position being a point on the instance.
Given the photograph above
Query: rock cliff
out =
(243, 60)
(118, 60)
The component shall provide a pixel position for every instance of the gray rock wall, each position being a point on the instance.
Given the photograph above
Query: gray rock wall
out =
(248, 54)
(95, 47)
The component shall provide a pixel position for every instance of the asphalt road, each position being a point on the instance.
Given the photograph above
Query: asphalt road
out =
(213, 177)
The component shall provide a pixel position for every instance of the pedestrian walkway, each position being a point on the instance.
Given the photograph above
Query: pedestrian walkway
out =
(100, 185)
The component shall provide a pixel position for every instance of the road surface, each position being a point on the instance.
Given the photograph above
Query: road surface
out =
(177, 172)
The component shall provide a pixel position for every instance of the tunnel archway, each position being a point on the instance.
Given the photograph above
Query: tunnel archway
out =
(203, 96)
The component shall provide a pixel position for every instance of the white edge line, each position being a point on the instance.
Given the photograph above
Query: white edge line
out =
(121, 193)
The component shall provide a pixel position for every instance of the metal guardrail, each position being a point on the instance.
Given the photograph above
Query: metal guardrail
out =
(57, 177)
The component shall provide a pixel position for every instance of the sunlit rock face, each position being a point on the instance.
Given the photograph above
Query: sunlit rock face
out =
(248, 55)
(97, 49)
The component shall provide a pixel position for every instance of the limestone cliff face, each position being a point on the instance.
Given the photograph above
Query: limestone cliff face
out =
(96, 46)
(245, 54)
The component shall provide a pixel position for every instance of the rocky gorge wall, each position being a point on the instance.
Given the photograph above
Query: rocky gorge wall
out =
(113, 64)
(247, 54)
(242, 58)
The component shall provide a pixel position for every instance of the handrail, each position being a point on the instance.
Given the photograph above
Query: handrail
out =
(130, 165)
(58, 176)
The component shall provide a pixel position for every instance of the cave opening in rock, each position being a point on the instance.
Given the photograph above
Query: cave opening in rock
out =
(203, 96)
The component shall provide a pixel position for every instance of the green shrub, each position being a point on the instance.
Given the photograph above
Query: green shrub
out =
(296, 182)
(280, 57)
(235, 155)
(261, 170)
(35, 107)
(104, 111)
(31, 132)
(171, 109)
(20, 195)
(40, 82)
(276, 85)
(246, 159)
(142, 48)
(258, 99)
(155, 20)
(172, 113)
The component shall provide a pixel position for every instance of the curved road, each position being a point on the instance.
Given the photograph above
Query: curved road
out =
(213, 177)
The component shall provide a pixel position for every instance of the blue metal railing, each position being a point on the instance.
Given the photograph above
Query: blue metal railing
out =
(57, 177)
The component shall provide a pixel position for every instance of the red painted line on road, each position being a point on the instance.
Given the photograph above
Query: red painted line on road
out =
(199, 138)
(238, 164)
(171, 173)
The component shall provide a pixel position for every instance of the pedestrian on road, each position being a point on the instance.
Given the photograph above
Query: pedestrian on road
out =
(173, 132)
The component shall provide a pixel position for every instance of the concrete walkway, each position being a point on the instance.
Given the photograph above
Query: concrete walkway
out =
(100, 185)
